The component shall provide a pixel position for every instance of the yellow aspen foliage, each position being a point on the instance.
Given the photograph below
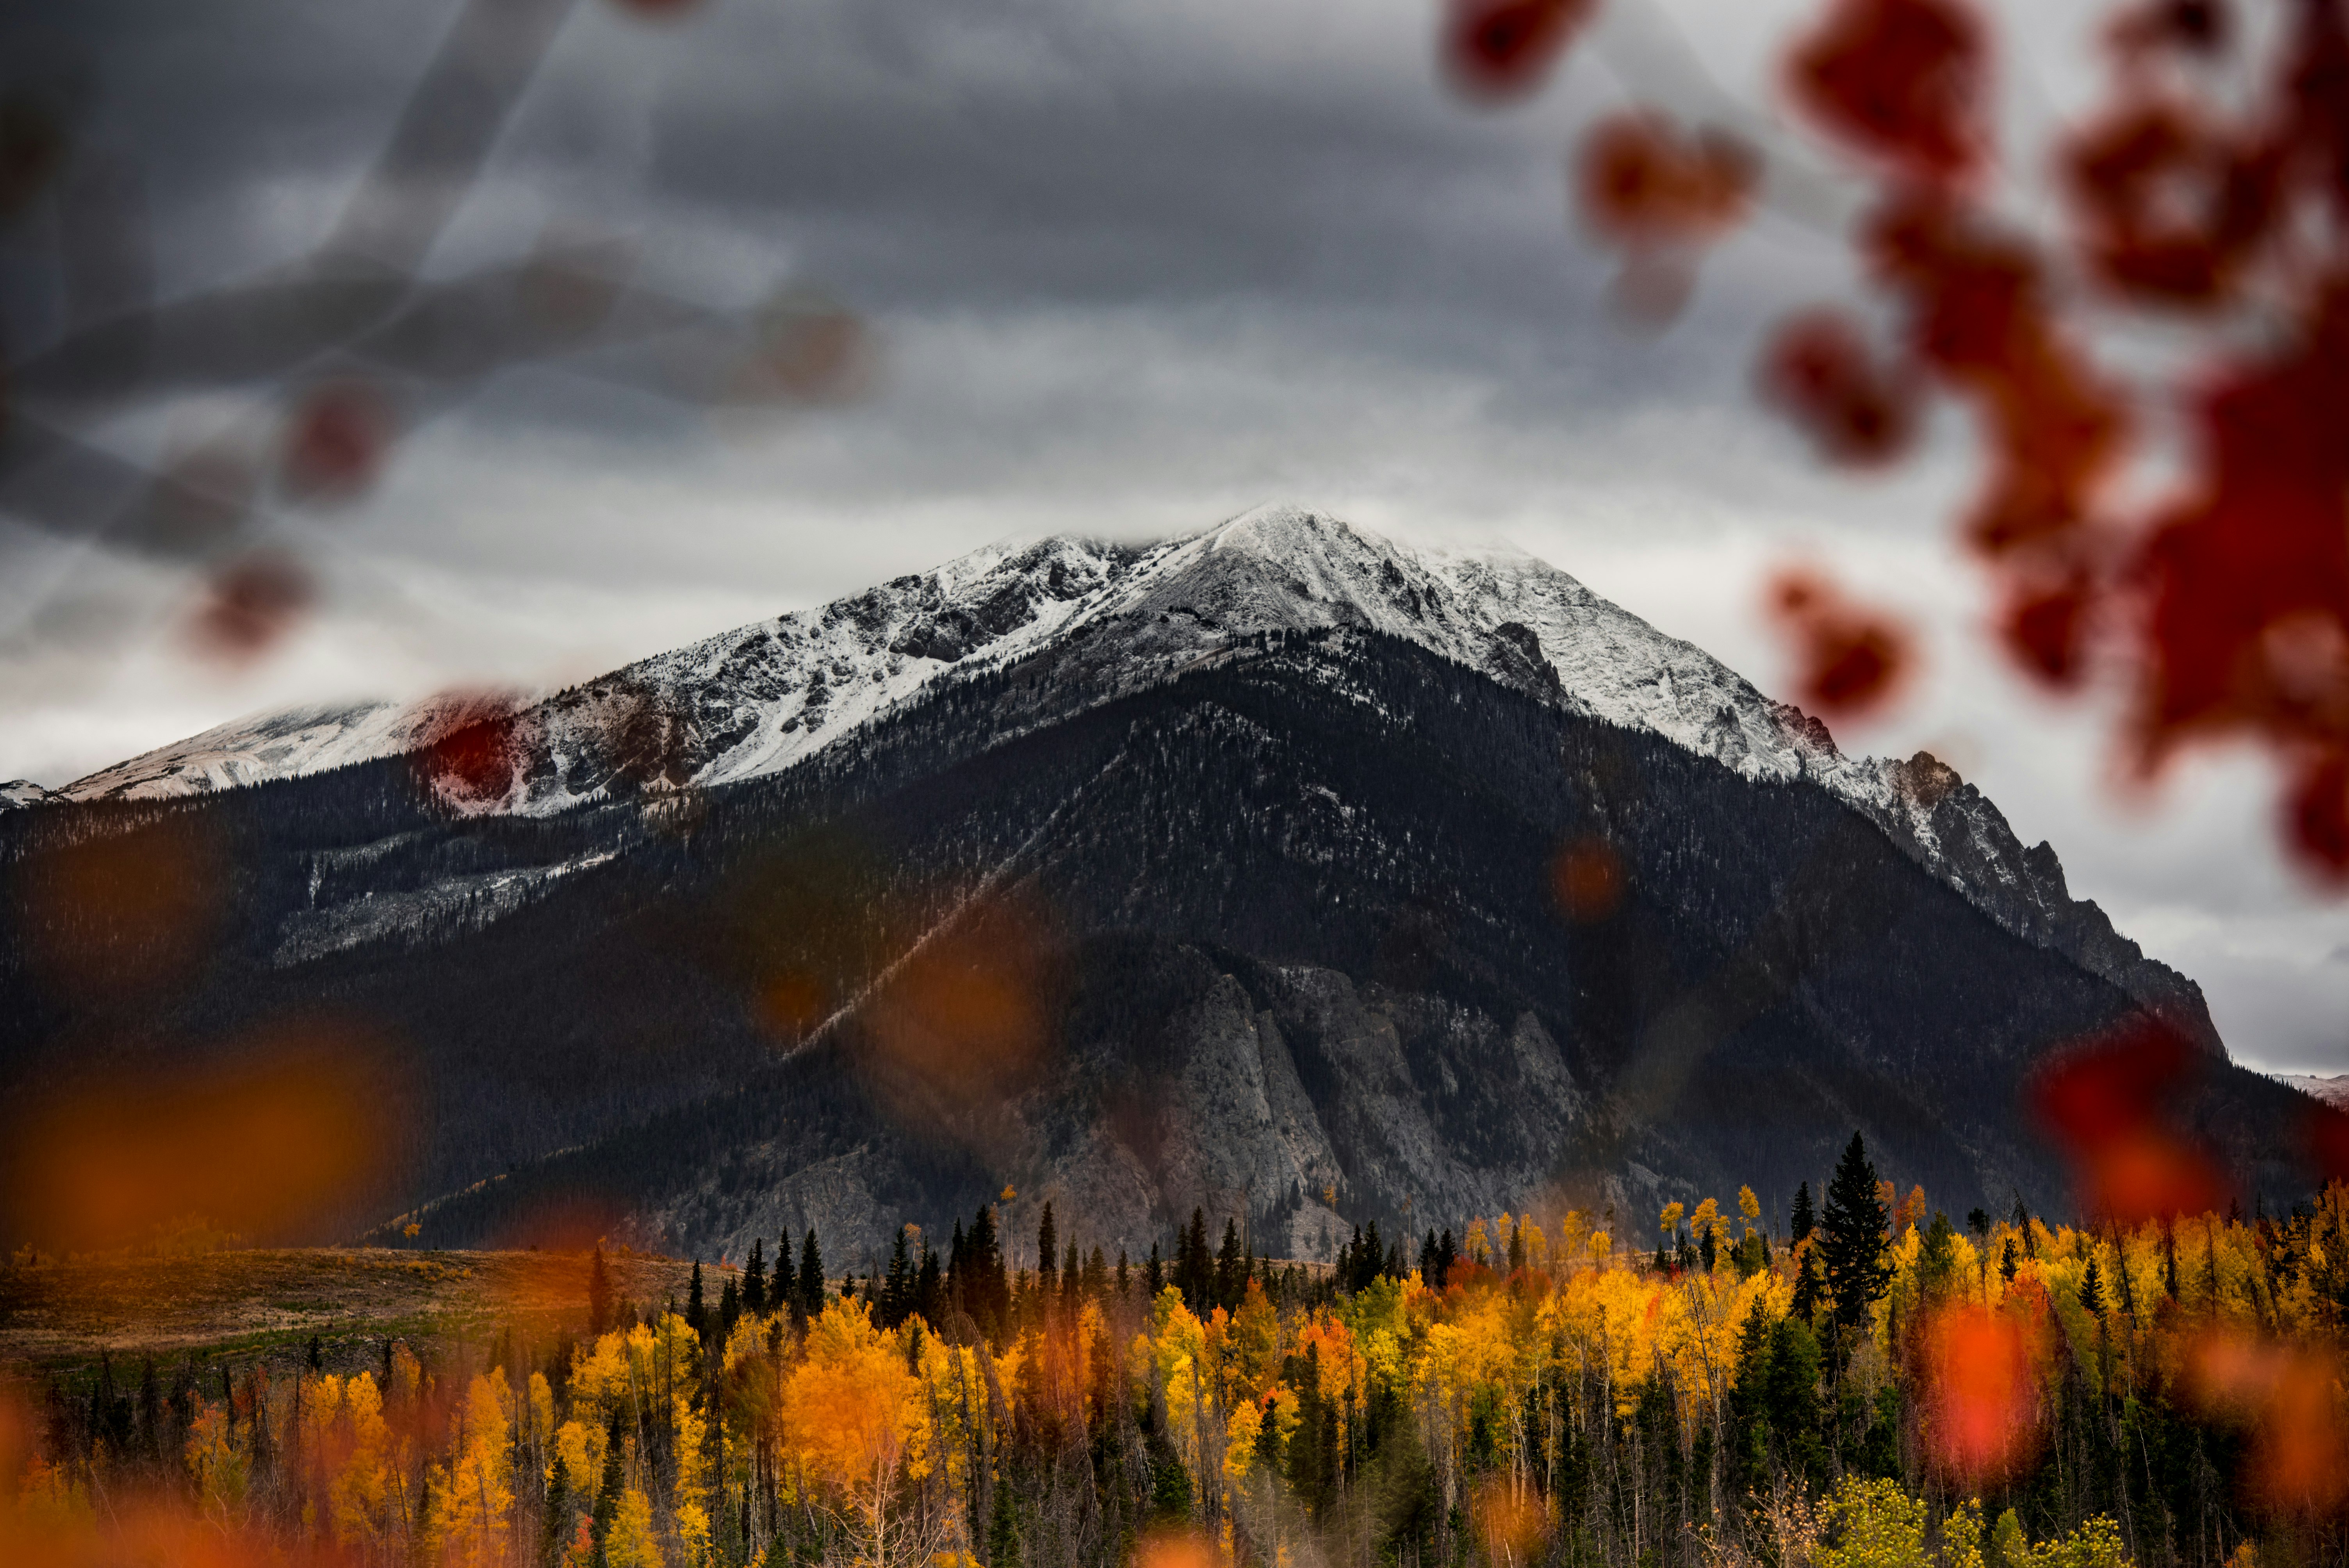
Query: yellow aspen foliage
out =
(1478, 1246)
(1670, 1220)
(631, 1543)
(693, 1476)
(579, 1449)
(1240, 1429)
(469, 1501)
(1536, 1244)
(693, 1534)
(219, 1460)
(1254, 1343)
(853, 1414)
(1751, 1207)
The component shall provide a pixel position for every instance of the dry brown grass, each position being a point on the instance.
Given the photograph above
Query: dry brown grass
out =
(268, 1304)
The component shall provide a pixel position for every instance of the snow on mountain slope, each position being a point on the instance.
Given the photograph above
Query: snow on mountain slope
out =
(2334, 1091)
(762, 697)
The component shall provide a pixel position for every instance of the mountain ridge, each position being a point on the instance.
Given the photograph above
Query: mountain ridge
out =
(764, 697)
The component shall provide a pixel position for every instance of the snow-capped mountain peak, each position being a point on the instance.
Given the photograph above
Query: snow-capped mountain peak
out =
(764, 697)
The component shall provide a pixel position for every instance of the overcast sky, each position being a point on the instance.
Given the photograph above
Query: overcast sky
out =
(1131, 268)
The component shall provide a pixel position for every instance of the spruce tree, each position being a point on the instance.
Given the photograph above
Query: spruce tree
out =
(607, 1494)
(1799, 1226)
(754, 1279)
(1852, 1238)
(1048, 1254)
(1809, 1287)
(929, 1290)
(1231, 1270)
(2092, 1291)
(555, 1527)
(1153, 1274)
(810, 1282)
(697, 1310)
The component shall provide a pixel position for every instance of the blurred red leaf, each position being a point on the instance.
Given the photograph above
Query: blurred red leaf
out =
(1851, 660)
(2105, 1103)
(2112, 1085)
(249, 605)
(2326, 1132)
(1642, 181)
(335, 442)
(1504, 48)
(2169, 210)
(1978, 1418)
(1818, 370)
(1898, 80)
(1587, 880)
(2319, 809)
(2044, 627)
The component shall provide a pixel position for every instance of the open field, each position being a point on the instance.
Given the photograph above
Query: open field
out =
(267, 1305)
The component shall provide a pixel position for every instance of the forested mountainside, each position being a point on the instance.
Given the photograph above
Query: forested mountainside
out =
(1326, 928)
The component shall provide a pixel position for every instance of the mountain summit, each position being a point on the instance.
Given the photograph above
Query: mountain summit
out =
(764, 697)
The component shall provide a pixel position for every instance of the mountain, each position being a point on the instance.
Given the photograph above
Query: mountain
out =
(759, 700)
(1283, 869)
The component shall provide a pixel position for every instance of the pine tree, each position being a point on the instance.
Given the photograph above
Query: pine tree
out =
(1048, 1254)
(1799, 1226)
(1852, 1237)
(810, 1281)
(697, 1310)
(729, 1311)
(599, 1293)
(2006, 1263)
(754, 1279)
(1153, 1274)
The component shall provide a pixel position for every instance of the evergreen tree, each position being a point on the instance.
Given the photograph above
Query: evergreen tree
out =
(2092, 1291)
(1003, 1531)
(1121, 1274)
(2006, 1261)
(754, 1279)
(1153, 1274)
(810, 1280)
(929, 1290)
(599, 1293)
(898, 1291)
(1231, 1268)
(1048, 1254)
(1810, 1287)
(696, 1309)
(1072, 1281)
(729, 1311)
(555, 1526)
(1799, 1227)
(317, 1358)
(1852, 1237)
(607, 1494)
